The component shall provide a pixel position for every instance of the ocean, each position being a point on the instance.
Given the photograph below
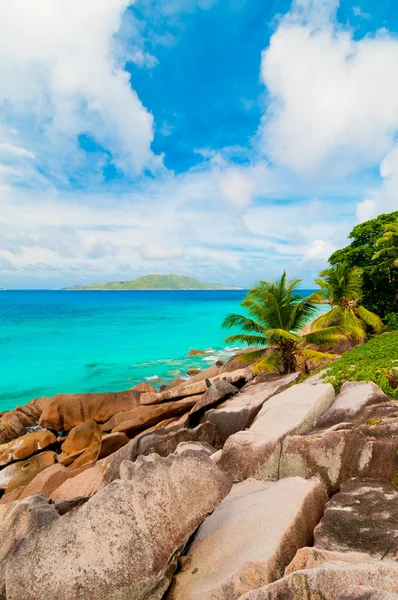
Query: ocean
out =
(89, 341)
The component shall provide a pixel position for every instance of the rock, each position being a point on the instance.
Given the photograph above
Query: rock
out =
(81, 437)
(194, 352)
(256, 452)
(65, 411)
(362, 517)
(80, 556)
(353, 398)
(365, 448)
(216, 392)
(208, 373)
(167, 443)
(26, 445)
(237, 413)
(193, 371)
(366, 593)
(331, 581)
(219, 363)
(112, 442)
(250, 538)
(144, 387)
(89, 455)
(13, 423)
(309, 558)
(137, 419)
(235, 363)
(47, 481)
(21, 473)
(18, 521)
(67, 459)
(196, 447)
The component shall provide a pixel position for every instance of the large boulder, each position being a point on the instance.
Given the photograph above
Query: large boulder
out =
(161, 442)
(14, 423)
(133, 421)
(309, 558)
(366, 447)
(216, 392)
(21, 473)
(112, 442)
(238, 413)
(47, 481)
(124, 542)
(331, 582)
(256, 452)
(362, 517)
(19, 521)
(26, 445)
(249, 539)
(353, 398)
(64, 411)
(81, 437)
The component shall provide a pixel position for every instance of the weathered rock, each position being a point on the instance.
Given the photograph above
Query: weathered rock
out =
(235, 362)
(81, 437)
(106, 470)
(79, 556)
(112, 442)
(195, 352)
(309, 558)
(208, 373)
(362, 517)
(18, 521)
(13, 423)
(65, 411)
(366, 593)
(137, 419)
(47, 481)
(331, 581)
(256, 452)
(90, 455)
(365, 448)
(216, 392)
(144, 387)
(26, 445)
(353, 398)
(250, 538)
(21, 473)
(238, 413)
(67, 459)
(193, 371)
(196, 447)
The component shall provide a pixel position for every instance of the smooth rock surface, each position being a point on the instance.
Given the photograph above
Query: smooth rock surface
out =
(47, 481)
(249, 539)
(124, 542)
(64, 411)
(238, 413)
(362, 517)
(216, 392)
(256, 452)
(353, 398)
(309, 558)
(21, 473)
(26, 445)
(81, 437)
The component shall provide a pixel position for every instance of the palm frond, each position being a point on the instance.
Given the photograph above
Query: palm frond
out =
(326, 336)
(316, 356)
(247, 339)
(250, 357)
(277, 334)
(235, 320)
(268, 364)
(370, 318)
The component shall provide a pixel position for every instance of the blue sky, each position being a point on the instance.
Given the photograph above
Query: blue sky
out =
(224, 139)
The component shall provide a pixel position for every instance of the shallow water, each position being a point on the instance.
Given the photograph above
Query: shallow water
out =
(64, 342)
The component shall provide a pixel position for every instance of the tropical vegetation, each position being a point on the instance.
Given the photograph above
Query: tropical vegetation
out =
(276, 316)
(389, 249)
(341, 286)
(375, 360)
(379, 292)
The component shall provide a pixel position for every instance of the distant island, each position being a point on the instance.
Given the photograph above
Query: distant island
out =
(156, 282)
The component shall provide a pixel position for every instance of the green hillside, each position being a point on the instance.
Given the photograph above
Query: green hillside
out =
(155, 282)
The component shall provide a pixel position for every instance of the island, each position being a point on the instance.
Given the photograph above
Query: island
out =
(155, 282)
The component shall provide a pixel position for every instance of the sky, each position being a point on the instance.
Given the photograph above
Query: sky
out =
(227, 140)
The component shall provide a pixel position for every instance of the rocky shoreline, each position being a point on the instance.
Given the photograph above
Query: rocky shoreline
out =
(220, 487)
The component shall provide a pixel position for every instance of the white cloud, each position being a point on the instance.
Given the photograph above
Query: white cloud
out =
(334, 99)
(61, 73)
(319, 251)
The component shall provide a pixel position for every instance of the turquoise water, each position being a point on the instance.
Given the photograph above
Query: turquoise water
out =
(65, 342)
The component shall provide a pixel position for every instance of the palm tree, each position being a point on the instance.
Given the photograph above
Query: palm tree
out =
(389, 250)
(277, 312)
(341, 286)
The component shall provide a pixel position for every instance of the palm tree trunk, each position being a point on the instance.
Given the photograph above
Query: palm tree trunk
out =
(288, 357)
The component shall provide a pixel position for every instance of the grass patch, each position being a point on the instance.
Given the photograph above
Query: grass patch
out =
(372, 361)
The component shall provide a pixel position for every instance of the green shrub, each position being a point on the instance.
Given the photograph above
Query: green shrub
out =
(372, 361)
(392, 320)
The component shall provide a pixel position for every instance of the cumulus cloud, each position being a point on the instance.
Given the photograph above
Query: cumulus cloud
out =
(62, 75)
(333, 99)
